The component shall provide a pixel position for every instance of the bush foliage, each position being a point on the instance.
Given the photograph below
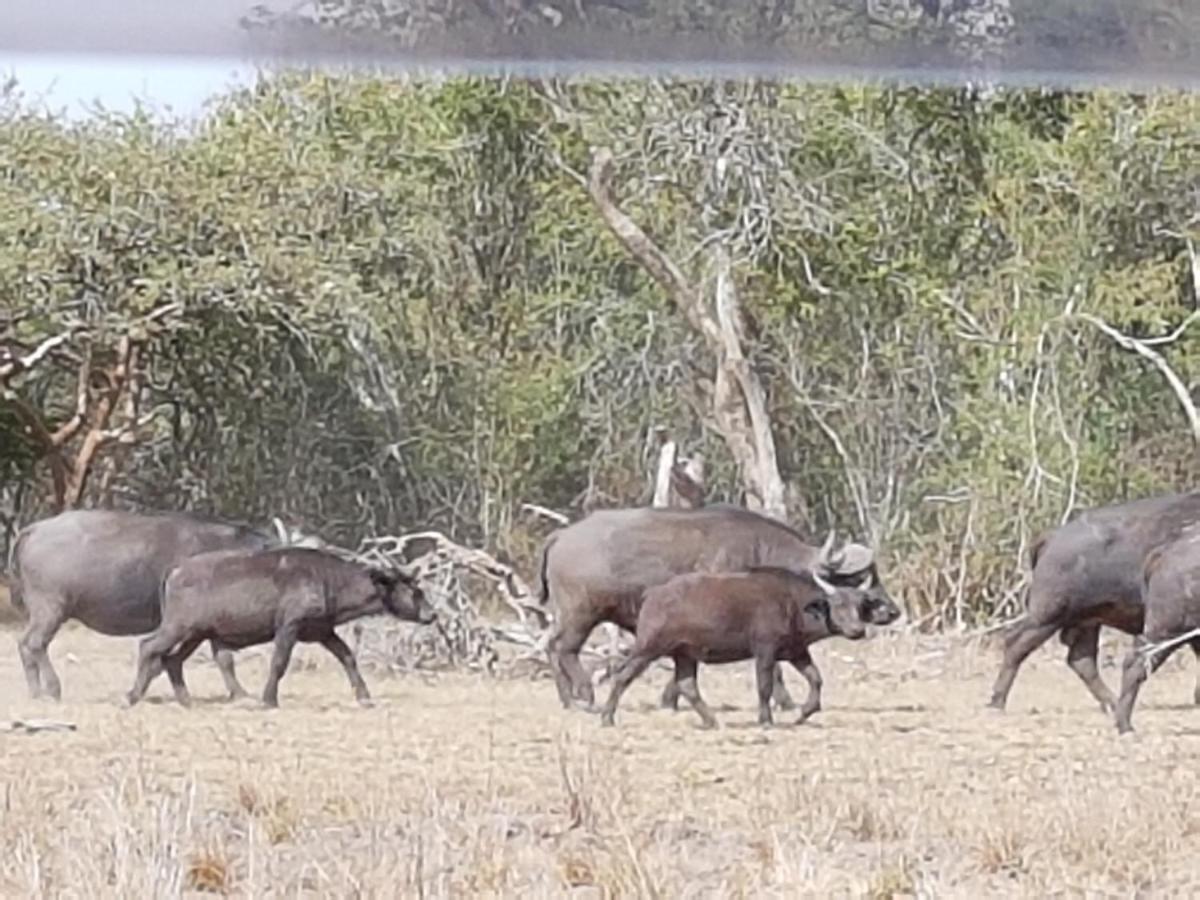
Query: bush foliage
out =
(393, 305)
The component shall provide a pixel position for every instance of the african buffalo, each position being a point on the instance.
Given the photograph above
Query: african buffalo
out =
(105, 568)
(1171, 596)
(239, 598)
(765, 614)
(597, 569)
(1088, 573)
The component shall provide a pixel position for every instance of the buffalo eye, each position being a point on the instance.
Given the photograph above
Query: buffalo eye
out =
(819, 607)
(384, 579)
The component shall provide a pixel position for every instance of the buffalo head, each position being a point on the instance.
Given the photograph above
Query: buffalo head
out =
(853, 566)
(402, 596)
(844, 605)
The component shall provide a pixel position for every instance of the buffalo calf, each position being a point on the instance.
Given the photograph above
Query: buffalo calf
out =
(237, 599)
(766, 614)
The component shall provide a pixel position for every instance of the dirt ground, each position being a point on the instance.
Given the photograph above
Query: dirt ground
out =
(461, 785)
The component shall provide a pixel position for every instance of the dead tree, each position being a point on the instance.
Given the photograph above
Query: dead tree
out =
(738, 400)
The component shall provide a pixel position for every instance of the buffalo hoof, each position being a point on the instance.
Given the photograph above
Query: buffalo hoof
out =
(606, 721)
(366, 702)
(130, 701)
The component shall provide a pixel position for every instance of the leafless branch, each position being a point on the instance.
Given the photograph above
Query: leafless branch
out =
(1177, 333)
(546, 513)
(660, 266)
(1141, 349)
(12, 365)
(516, 592)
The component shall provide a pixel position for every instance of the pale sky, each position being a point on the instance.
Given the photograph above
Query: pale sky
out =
(172, 86)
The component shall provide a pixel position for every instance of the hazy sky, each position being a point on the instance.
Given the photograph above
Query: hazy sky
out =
(174, 86)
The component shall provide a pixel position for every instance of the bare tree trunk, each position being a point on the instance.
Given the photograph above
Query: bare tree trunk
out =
(662, 475)
(738, 398)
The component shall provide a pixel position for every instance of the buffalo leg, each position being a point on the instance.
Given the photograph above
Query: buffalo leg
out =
(35, 657)
(1023, 639)
(152, 650)
(223, 657)
(812, 703)
(570, 678)
(685, 669)
(764, 667)
(285, 640)
(173, 663)
(1196, 692)
(345, 656)
(1083, 645)
(783, 699)
(1134, 673)
(630, 669)
(670, 694)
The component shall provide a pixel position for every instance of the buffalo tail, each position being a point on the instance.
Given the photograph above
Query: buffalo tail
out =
(15, 597)
(541, 587)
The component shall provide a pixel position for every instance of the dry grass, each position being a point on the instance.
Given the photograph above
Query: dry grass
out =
(463, 786)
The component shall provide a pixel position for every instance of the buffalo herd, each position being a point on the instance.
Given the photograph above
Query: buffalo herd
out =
(712, 584)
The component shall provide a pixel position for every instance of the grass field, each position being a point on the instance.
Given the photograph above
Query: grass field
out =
(460, 785)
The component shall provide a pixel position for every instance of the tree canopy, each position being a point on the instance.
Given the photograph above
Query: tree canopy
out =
(371, 304)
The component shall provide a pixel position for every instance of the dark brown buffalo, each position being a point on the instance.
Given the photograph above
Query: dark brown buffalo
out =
(285, 595)
(1088, 573)
(1171, 595)
(765, 614)
(597, 569)
(105, 568)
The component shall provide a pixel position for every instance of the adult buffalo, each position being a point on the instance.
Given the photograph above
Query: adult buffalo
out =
(1088, 573)
(1171, 594)
(105, 568)
(597, 569)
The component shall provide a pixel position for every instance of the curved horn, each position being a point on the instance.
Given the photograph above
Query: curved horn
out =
(827, 547)
(284, 537)
(867, 583)
(824, 585)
